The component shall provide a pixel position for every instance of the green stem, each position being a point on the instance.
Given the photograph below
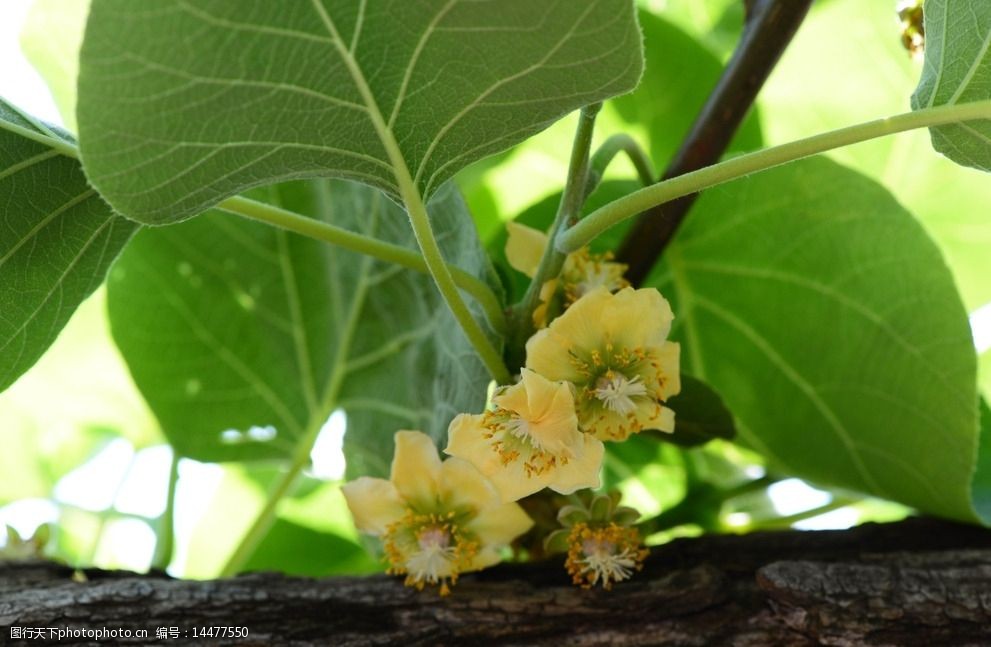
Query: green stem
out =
(627, 207)
(747, 487)
(321, 231)
(701, 505)
(448, 288)
(417, 210)
(782, 523)
(38, 124)
(567, 214)
(165, 547)
(604, 155)
(286, 483)
(362, 244)
(59, 145)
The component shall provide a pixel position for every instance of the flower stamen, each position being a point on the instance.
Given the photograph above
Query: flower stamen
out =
(604, 555)
(429, 549)
(616, 391)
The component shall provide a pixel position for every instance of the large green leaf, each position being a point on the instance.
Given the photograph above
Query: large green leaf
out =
(244, 338)
(982, 475)
(958, 70)
(679, 74)
(388, 92)
(295, 549)
(58, 239)
(868, 63)
(827, 320)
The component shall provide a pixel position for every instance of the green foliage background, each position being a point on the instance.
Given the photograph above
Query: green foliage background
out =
(685, 43)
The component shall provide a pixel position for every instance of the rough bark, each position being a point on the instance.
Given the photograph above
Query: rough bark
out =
(914, 582)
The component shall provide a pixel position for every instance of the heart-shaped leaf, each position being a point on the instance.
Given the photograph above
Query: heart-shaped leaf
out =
(244, 338)
(958, 70)
(827, 320)
(57, 239)
(397, 94)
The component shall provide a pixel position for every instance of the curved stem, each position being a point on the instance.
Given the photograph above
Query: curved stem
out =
(285, 484)
(362, 244)
(567, 213)
(287, 481)
(604, 155)
(417, 210)
(627, 207)
(448, 288)
(165, 546)
(785, 522)
(299, 224)
(58, 145)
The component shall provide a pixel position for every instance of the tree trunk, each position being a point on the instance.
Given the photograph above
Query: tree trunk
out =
(915, 582)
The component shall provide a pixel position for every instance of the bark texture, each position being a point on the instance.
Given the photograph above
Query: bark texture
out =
(910, 583)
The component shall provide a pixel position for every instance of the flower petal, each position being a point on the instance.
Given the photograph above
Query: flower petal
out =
(549, 351)
(669, 378)
(500, 525)
(488, 556)
(415, 469)
(514, 398)
(540, 393)
(374, 504)
(467, 441)
(637, 318)
(524, 248)
(462, 486)
(606, 424)
(581, 471)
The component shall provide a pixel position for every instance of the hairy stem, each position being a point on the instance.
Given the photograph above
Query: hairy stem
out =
(318, 230)
(58, 145)
(567, 214)
(362, 244)
(417, 211)
(165, 547)
(629, 206)
(785, 522)
(769, 28)
(607, 152)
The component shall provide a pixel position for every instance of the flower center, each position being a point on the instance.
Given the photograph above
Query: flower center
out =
(435, 559)
(429, 549)
(584, 272)
(616, 392)
(607, 555)
(520, 428)
(513, 439)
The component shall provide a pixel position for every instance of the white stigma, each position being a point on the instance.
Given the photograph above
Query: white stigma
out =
(617, 392)
(520, 428)
(601, 276)
(435, 559)
(600, 559)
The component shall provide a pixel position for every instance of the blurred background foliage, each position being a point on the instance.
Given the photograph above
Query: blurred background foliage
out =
(80, 449)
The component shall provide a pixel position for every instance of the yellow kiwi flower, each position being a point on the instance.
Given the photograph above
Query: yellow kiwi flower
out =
(614, 349)
(529, 440)
(603, 554)
(582, 272)
(436, 519)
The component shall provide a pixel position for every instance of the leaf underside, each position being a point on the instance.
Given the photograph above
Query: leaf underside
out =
(57, 239)
(244, 339)
(256, 92)
(827, 320)
(958, 70)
